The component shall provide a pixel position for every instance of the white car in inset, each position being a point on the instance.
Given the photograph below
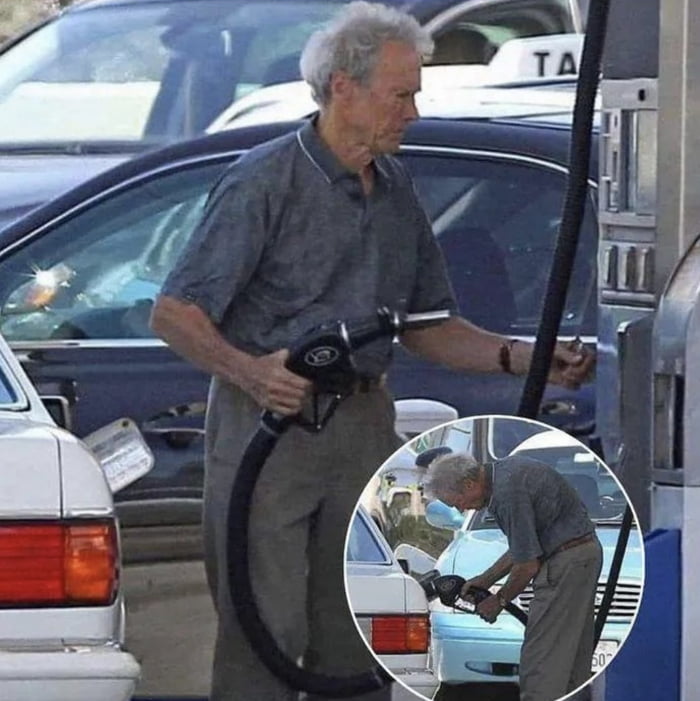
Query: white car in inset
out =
(61, 609)
(390, 607)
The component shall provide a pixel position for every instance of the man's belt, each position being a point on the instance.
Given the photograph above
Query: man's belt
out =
(574, 542)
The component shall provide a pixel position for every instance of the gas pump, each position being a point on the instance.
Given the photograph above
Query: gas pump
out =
(649, 327)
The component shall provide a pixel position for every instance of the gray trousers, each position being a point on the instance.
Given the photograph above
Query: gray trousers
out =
(558, 646)
(299, 517)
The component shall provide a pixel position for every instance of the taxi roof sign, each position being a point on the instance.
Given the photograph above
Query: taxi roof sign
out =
(551, 56)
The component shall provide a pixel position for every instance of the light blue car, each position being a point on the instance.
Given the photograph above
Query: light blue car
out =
(466, 649)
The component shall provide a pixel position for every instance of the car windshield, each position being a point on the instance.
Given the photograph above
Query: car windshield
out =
(600, 492)
(150, 72)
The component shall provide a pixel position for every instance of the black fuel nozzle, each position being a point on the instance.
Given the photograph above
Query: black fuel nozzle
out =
(448, 588)
(324, 355)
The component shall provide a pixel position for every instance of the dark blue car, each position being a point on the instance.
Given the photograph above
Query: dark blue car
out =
(78, 278)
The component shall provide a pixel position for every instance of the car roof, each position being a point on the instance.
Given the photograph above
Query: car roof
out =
(89, 4)
(542, 142)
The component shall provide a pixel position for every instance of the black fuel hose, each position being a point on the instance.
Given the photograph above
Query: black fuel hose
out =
(573, 210)
(241, 588)
(565, 254)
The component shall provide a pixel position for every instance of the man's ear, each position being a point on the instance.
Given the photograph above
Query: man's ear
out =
(342, 86)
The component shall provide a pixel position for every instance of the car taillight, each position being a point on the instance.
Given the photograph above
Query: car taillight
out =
(58, 564)
(394, 635)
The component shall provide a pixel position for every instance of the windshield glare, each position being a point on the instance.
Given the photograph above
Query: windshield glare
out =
(149, 72)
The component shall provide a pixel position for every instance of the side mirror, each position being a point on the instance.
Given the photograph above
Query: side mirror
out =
(439, 515)
(403, 564)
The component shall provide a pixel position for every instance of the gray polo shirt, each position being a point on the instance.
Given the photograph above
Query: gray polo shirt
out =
(288, 241)
(535, 507)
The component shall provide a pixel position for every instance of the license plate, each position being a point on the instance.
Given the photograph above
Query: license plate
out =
(121, 451)
(604, 652)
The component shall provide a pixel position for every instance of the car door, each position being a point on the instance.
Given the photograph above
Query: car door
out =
(496, 216)
(75, 300)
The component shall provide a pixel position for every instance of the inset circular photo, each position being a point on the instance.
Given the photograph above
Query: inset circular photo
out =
(494, 559)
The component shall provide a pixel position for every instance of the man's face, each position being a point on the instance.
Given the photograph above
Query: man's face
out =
(471, 496)
(379, 111)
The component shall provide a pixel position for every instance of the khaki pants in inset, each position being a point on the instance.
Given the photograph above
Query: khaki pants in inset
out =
(558, 646)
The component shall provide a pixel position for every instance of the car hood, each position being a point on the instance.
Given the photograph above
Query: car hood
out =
(45, 472)
(474, 551)
(29, 180)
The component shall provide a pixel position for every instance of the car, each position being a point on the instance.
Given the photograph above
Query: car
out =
(106, 79)
(79, 275)
(390, 607)
(464, 648)
(61, 599)
(511, 80)
(395, 498)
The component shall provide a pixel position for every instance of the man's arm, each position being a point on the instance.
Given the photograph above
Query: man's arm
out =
(489, 577)
(190, 333)
(520, 576)
(460, 345)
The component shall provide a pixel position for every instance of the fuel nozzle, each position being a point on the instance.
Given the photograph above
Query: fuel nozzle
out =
(387, 322)
(324, 355)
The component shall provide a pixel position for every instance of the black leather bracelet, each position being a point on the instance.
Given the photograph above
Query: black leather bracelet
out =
(504, 355)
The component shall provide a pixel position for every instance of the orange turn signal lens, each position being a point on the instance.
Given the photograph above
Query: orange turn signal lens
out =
(58, 564)
(394, 635)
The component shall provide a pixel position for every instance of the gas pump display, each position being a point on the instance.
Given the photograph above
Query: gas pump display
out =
(517, 536)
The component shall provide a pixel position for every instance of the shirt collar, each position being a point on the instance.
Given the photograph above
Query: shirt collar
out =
(325, 160)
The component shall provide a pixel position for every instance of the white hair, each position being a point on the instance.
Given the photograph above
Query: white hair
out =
(351, 43)
(446, 475)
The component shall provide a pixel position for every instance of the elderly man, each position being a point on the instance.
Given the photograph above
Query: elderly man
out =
(551, 539)
(317, 225)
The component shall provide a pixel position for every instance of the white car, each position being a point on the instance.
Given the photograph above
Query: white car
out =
(501, 87)
(61, 610)
(390, 607)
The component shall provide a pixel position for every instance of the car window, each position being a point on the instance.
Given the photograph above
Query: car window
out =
(497, 223)
(362, 546)
(599, 491)
(475, 34)
(97, 275)
(506, 434)
(151, 72)
(459, 438)
(7, 394)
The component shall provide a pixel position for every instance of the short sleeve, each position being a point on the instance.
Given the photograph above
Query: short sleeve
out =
(432, 289)
(225, 249)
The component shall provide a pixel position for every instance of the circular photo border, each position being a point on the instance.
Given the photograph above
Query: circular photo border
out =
(404, 544)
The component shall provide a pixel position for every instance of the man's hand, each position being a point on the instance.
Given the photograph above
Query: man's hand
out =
(489, 609)
(572, 364)
(479, 581)
(274, 387)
